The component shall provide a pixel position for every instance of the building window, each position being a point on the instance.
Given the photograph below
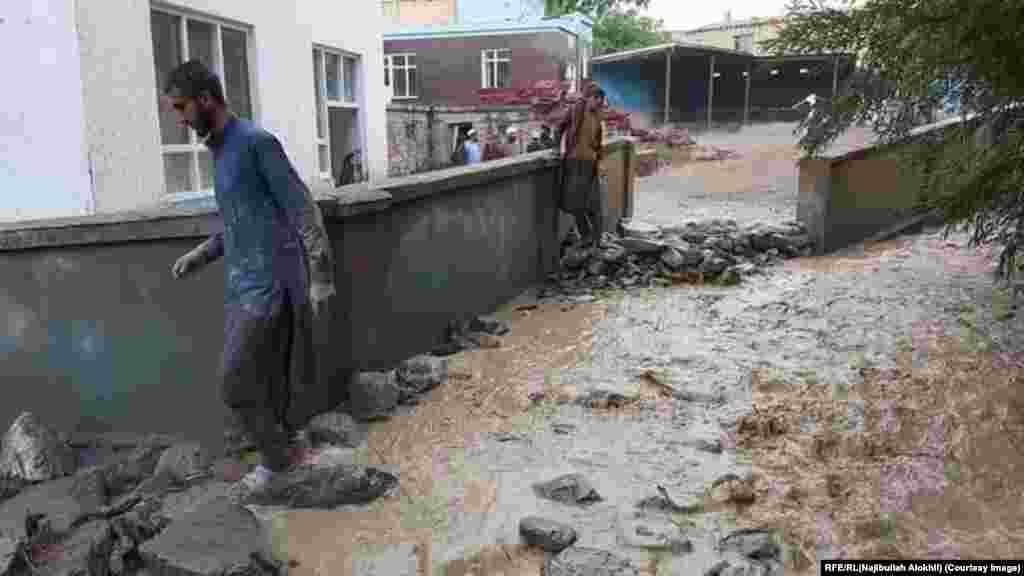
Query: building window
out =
(744, 42)
(400, 74)
(177, 37)
(497, 68)
(335, 87)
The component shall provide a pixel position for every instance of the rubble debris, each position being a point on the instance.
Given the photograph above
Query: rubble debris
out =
(419, 375)
(472, 334)
(666, 501)
(60, 502)
(640, 530)
(336, 428)
(183, 461)
(326, 488)
(32, 452)
(373, 395)
(549, 535)
(711, 251)
(589, 562)
(568, 489)
(216, 539)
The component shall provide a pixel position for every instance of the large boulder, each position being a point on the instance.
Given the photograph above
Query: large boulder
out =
(326, 488)
(211, 541)
(60, 502)
(32, 452)
(568, 489)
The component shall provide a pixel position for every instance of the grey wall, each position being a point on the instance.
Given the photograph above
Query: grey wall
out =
(99, 337)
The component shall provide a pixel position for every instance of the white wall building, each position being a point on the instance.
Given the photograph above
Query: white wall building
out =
(81, 128)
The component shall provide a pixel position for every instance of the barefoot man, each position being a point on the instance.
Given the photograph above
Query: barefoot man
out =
(279, 273)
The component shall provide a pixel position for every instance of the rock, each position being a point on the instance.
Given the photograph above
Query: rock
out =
(183, 460)
(614, 254)
(641, 531)
(753, 543)
(327, 488)
(420, 374)
(642, 246)
(547, 534)
(210, 541)
(8, 548)
(596, 267)
(638, 229)
(489, 326)
(400, 560)
(588, 562)
(737, 567)
(33, 453)
(86, 551)
(673, 502)
(10, 486)
(180, 503)
(604, 398)
(713, 264)
(124, 471)
(61, 501)
(141, 523)
(575, 257)
(336, 428)
(373, 394)
(673, 259)
(568, 489)
(713, 446)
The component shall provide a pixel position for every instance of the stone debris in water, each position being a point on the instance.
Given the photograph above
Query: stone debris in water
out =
(33, 453)
(717, 251)
(549, 535)
(569, 489)
(588, 562)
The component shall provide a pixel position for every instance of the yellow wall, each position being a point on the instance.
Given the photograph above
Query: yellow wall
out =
(419, 12)
(725, 38)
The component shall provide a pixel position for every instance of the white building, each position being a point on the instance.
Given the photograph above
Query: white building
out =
(81, 128)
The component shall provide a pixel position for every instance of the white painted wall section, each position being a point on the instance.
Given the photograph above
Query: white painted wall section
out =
(43, 167)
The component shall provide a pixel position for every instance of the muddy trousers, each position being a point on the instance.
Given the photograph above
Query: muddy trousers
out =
(580, 187)
(262, 357)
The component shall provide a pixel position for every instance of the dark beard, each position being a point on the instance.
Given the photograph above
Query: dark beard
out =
(204, 124)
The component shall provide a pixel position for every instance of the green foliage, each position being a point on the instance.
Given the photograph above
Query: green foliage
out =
(911, 54)
(593, 8)
(620, 30)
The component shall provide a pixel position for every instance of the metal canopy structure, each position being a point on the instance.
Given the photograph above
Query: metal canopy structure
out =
(672, 49)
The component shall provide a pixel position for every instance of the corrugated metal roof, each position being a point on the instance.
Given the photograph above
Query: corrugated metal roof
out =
(645, 52)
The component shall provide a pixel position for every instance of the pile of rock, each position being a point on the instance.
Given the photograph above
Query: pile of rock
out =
(714, 251)
(126, 504)
(649, 526)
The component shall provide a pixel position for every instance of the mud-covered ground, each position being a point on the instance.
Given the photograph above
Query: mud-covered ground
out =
(820, 317)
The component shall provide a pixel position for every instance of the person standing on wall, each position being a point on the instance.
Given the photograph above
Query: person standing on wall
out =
(279, 270)
(582, 150)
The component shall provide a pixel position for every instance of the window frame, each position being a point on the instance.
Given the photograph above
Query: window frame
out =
(195, 147)
(495, 56)
(325, 104)
(412, 91)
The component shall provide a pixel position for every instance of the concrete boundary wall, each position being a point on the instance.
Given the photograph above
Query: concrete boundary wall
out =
(849, 197)
(99, 338)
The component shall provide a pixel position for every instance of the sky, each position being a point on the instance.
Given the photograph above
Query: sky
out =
(685, 14)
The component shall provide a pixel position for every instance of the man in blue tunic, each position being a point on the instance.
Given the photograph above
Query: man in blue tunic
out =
(279, 273)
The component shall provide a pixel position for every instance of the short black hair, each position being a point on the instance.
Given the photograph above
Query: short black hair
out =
(192, 78)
